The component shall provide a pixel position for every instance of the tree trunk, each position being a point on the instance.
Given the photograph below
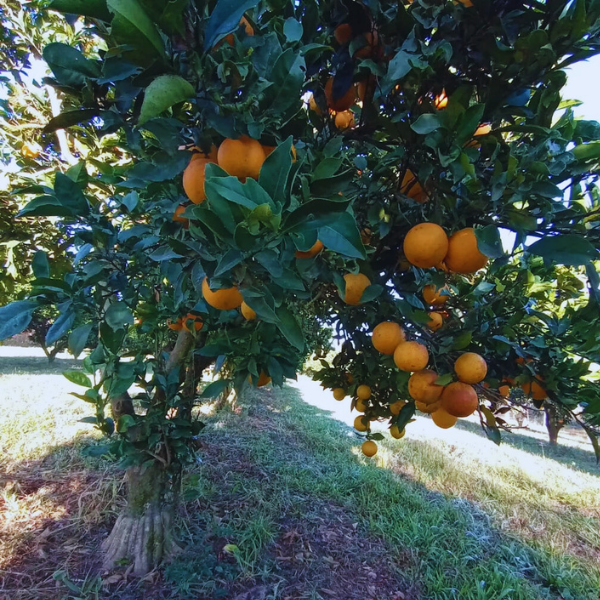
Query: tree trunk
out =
(553, 423)
(142, 535)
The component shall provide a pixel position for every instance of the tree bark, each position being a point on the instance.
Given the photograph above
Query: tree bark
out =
(554, 423)
(142, 535)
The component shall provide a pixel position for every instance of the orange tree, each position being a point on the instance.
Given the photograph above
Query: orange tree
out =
(352, 163)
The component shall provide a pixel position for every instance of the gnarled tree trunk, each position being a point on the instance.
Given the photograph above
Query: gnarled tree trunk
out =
(554, 423)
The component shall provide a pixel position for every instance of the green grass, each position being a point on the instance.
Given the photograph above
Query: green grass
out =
(283, 498)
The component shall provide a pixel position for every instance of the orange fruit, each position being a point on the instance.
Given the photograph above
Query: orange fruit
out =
(465, 3)
(339, 394)
(435, 321)
(314, 250)
(349, 378)
(342, 103)
(263, 379)
(425, 245)
(359, 425)
(247, 312)
(386, 337)
(241, 158)
(366, 88)
(396, 433)
(194, 321)
(504, 391)
(396, 407)
(177, 326)
(178, 219)
(360, 405)
(224, 298)
(371, 47)
(411, 356)
(356, 284)
(535, 390)
(428, 408)
(412, 188)
(459, 399)
(433, 295)
(312, 104)
(193, 180)
(481, 130)
(422, 387)
(198, 153)
(247, 28)
(441, 101)
(363, 392)
(344, 120)
(343, 33)
(443, 419)
(365, 236)
(369, 448)
(30, 150)
(470, 367)
(463, 254)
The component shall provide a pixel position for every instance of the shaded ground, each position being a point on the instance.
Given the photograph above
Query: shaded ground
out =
(282, 507)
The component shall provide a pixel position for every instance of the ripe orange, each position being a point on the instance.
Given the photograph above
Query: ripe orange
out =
(425, 245)
(428, 408)
(193, 180)
(363, 392)
(198, 153)
(263, 379)
(433, 295)
(396, 433)
(314, 250)
(411, 356)
(349, 378)
(465, 3)
(459, 399)
(241, 158)
(178, 219)
(412, 188)
(443, 419)
(436, 320)
(177, 326)
(535, 390)
(386, 337)
(312, 104)
(339, 394)
(470, 367)
(359, 425)
(247, 312)
(192, 321)
(369, 448)
(356, 284)
(371, 47)
(343, 33)
(342, 103)
(463, 254)
(422, 387)
(504, 391)
(365, 236)
(344, 120)
(441, 101)
(360, 405)
(396, 407)
(247, 28)
(30, 150)
(224, 298)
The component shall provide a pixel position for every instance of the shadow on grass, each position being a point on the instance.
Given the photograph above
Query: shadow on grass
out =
(33, 365)
(575, 458)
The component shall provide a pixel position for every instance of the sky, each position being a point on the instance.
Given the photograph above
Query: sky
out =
(583, 84)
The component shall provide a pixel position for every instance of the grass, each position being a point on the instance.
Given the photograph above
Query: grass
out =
(283, 506)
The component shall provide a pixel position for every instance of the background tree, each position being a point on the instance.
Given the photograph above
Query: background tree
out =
(219, 188)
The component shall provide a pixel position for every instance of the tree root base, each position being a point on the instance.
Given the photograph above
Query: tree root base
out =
(144, 541)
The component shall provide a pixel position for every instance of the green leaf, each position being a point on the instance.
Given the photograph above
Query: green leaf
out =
(69, 65)
(462, 340)
(292, 29)
(45, 206)
(275, 171)
(95, 9)
(78, 339)
(40, 265)
(372, 292)
(444, 379)
(565, 249)
(70, 195)
(289, 328)
(229, 260)
(468, 123)
(341, 235)
(78, 378)
(288, 78)
(70, 118)
(426, 124)
(132, 22)
(215, 388)
(61, 326)
(118, 315)
(125, 422)
(489, 241)
(224, 19)
(15, 317)
(406, 414)
(165, 91)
